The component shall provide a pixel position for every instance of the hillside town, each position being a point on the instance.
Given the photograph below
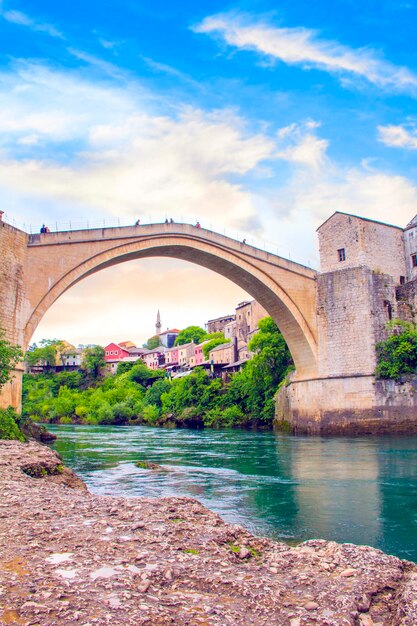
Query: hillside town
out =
(176, 359)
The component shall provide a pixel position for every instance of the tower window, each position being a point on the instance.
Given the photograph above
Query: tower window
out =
(342, 254)
(414, 260)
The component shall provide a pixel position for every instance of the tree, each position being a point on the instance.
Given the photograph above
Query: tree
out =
(254, 388)
(213, 342)
(93, 360)
(152, 343)
(190, 334)
(141, 374)
(10, 355)
(46, 354)
(397, 355)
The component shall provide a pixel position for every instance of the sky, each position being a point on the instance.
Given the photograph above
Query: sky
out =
(257, 118)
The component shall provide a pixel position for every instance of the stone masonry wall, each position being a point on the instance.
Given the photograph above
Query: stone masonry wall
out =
(12, 301)
(352, 313)
(378, 246)
(12, 289)
(357, 405)
(407, 301)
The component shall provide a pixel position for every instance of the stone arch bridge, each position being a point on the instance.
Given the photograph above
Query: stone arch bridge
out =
(331, 321)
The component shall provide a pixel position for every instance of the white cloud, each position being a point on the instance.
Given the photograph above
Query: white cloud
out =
(21, 19)
(398, 137)
(299, 145)
(360, 190)
(301, 46)
(129, 159)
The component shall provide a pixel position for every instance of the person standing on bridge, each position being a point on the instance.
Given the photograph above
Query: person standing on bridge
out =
(198, 225)
(137, 223)
(43, 228)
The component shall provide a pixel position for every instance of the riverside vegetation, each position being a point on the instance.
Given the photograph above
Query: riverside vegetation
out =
(138, 395)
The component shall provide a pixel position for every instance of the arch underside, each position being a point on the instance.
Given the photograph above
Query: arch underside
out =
(294, 327)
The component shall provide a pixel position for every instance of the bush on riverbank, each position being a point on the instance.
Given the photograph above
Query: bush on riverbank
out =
(9, 428)
(137, 395)
(397, 355)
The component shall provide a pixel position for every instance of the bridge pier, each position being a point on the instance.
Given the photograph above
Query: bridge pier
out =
(347, 405)
(11, 392)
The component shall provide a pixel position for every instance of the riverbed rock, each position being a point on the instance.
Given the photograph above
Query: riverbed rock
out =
(70, 557)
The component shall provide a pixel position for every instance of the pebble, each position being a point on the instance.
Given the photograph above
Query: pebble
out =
(311, 606)
(137, 578)
(347, 573)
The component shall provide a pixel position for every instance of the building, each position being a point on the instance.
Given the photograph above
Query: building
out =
(198, 357)
(248, 316)
(185, 352)
(347, 241)
(158, 324)
(168, 337)
(71, 358)
(230, 330)
(154, 359)
(224, 354)
(115, 352)
(218, 324)
(410, 249)
(171, 360)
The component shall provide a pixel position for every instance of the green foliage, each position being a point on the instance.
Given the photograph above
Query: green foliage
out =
(124, 367)
(213, 342)
(154, 392)
(190, 334)
(46, 354)
(8, 425)
(10, 355)
(93, 360)
(253, 388)
(397, 355)
(139, 395)
(141, 374)
(152, 343)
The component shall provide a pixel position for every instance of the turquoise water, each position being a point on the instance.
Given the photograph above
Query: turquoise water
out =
(359, 490)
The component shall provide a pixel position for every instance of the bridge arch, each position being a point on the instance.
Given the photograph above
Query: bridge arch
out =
(256, 273)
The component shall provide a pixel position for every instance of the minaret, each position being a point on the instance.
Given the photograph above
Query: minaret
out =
(158, 324)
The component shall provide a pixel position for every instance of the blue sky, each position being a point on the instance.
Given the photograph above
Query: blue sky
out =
(260, 118)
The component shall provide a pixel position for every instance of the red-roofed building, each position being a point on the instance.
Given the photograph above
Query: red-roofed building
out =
(115, 352)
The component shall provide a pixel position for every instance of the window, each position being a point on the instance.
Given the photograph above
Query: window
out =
(402, 280)
(414, 260)
(342, 254)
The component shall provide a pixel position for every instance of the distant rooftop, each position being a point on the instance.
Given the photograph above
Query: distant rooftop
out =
(228, 344)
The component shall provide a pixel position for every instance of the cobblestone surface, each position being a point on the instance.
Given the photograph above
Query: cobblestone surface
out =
(70, 557)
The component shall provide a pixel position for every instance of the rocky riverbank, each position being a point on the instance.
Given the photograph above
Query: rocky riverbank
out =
(68, 557)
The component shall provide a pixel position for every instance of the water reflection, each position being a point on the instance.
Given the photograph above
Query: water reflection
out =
(354, 490)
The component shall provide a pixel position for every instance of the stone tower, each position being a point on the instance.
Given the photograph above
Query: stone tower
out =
(158, 324)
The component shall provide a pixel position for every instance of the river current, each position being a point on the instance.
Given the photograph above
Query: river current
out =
(358, 490)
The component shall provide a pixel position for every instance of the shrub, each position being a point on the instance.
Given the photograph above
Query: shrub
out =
(397, 355)
(8, 425)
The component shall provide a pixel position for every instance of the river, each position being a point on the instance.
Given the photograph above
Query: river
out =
(358, 490)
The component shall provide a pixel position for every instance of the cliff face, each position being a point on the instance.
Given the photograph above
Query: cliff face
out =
(69, 557)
